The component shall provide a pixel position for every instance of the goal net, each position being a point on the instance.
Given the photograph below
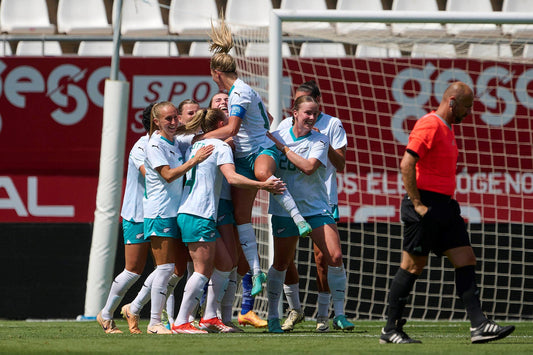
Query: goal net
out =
(379, 78)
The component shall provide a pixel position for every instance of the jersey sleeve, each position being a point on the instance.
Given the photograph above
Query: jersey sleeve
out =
(155, 155)
(319, 149)
(138, 153)
(224, 154)
(240, 97)
(337, 136)
(421, 136)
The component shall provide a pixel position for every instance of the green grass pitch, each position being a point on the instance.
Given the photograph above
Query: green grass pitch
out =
(26, 337)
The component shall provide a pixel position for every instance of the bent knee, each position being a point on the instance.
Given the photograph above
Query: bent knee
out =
(336, 259)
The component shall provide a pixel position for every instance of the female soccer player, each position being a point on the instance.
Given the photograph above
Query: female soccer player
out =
(225, 226)
(197, 218)
(248, 123)
(136, 246)
(164, 171)
(333, 129)
(303, 167)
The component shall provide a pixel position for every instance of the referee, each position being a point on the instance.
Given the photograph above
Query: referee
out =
(432, 220)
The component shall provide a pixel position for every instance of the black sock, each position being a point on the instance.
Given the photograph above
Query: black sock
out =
(398, 295)
(465, 282)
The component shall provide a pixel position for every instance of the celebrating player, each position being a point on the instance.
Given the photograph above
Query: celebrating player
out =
(248, 123)
(303, 168)
(332, 128)
(197, 217)
(164, 171)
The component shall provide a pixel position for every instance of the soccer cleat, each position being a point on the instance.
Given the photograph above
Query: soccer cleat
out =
(251, 318)
(322, 324)
(341, 323)
(295, 317)
(489, 331)
(258, 281)
(274, 326)
(187, 328)
(304, 229)
(397, 335)
(158, 328)
(214, 325)
(234, 327)
(108, 325)
(132, 319)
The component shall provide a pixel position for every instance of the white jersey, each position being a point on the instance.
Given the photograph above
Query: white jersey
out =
(204, 182)
(252, 134)
(184, 142)
(132, 205)
(309, 191)
(333, 129)
(162, 198)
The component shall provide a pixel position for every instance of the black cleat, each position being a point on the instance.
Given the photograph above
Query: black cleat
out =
(397, 335)
(489, 331)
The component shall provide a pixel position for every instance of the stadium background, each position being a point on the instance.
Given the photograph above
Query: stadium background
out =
(48, 167)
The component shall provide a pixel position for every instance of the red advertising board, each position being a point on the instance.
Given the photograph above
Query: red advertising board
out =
(51, 122)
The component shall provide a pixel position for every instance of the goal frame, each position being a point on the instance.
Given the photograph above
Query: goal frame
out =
(276, 38)
(275, 62)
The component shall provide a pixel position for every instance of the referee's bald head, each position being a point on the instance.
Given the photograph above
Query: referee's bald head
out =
(459, 91)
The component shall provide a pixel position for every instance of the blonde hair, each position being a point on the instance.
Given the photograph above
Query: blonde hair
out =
(206, 120)
(221, 43)
(156, 111)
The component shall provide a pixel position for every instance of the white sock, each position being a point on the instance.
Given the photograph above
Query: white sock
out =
(275, 280)
(143, 296)
(249, 246)
(190, 269)
(337, 286)
(226, 306)
(292, 293)
(170, 305)
(159, 291)
(324, 299)
(287, 202)
(121, 284)
(216, 288)
(194, 288)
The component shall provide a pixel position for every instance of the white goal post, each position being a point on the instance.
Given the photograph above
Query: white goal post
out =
(378, 99)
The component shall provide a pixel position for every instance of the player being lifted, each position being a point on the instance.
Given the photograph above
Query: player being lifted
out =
(248, 124)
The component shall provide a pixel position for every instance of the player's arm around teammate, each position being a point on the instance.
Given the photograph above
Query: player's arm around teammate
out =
(333, 129)
(164, 170)
(248, 123)
(302, 168)
(197, 217)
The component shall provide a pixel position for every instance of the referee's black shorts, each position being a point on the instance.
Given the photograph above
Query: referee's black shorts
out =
(442, 227)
